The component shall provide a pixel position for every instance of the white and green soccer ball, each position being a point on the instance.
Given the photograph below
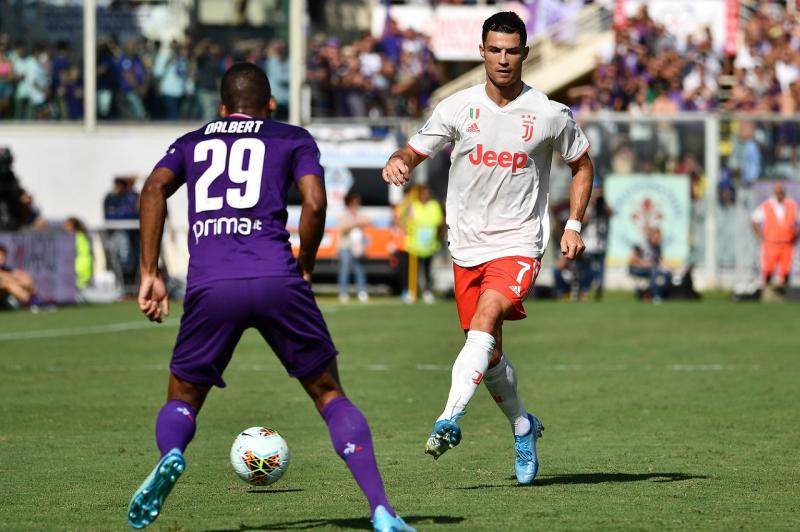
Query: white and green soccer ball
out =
(260, 456)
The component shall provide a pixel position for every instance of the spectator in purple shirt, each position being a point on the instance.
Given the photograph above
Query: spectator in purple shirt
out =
(131, 80)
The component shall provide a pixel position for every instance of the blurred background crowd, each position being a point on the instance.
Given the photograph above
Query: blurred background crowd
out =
(137, 79)
(647, 70)
(656, 99)
(393, 75)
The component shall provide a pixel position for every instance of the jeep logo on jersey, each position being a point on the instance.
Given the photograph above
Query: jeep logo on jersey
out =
(527, 127)
(503, 159)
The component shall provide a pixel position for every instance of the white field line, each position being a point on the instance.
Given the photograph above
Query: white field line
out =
(266, 368)
(143, 324)
(90, 329)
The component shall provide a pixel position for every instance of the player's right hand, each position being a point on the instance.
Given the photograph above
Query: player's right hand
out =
(153, 298)
(396, 172)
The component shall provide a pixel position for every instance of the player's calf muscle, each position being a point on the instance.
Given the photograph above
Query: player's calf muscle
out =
(190, 393)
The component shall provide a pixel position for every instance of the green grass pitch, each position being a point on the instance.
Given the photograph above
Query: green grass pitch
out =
(679, 416)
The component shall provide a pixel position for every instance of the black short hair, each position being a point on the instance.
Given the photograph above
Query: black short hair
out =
(505, 22)
(245, 86)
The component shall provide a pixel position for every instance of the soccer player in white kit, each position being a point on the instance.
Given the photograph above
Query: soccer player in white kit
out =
(503, 134)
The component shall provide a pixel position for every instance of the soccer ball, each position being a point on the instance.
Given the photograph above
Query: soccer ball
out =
(260, 456)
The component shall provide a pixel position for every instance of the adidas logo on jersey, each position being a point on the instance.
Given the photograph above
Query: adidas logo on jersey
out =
(474, 128)
(517, 289)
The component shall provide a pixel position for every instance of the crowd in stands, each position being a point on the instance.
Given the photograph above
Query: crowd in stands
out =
(393, 75)
(137, 79)
(144, 79)
(141, 79)
(39, 82)
(649, 71)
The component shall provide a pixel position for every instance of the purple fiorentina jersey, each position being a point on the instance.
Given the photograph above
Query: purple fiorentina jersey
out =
(237, 171)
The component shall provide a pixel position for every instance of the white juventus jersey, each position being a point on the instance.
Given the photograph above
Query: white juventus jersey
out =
(497, 197)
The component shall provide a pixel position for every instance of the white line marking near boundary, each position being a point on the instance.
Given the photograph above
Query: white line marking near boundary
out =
(143, 324)
(432, 367)
(254, 368)
(80, 331)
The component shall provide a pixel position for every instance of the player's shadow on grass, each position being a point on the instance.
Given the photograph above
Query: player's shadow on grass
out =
(275, 490)
(600, 478)
(360, 522)
(593, 478)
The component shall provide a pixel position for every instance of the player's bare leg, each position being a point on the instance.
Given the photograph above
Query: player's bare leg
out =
(175, 428)
(352, 441)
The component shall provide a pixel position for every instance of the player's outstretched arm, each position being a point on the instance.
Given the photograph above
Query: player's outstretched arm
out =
(312, 221)
(161, 184)
(399, 166)
(579, 193)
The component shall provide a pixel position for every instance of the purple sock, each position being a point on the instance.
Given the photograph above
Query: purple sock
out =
(353, 443)
(174, 426)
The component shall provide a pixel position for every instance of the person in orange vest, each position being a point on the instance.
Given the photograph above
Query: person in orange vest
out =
(775, 224)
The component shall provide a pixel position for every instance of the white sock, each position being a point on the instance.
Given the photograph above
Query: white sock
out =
(501, 381)
(468, 371)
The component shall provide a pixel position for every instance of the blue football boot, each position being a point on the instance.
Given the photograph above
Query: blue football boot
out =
(526, 464)
(382, 521)
(446, 435)
(148, 501)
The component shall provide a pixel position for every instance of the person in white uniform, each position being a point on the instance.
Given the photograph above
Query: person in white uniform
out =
(503, 134)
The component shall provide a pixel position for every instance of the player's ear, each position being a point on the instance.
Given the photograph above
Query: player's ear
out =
(525, 52)
(273, 104)
(223, 111)
(483, 53)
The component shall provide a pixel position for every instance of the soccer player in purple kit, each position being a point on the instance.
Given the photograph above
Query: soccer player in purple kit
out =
(242, 274)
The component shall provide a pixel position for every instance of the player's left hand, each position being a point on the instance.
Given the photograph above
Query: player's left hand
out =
(153, 298)
(307, 277)
(571, 244)
(396, 172)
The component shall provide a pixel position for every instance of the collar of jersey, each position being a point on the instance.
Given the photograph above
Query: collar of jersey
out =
(509, 105)
(239, 115)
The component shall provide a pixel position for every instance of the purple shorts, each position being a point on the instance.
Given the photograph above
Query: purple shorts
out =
(284, 311)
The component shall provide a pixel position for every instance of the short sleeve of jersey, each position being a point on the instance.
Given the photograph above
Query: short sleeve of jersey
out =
(570, 142)
(306, 159)
(434, 135)
(173, 160)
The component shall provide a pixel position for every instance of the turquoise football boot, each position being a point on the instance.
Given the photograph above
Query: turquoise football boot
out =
(148, 501)
(446, 435)
(382, 521)
(526, 464)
